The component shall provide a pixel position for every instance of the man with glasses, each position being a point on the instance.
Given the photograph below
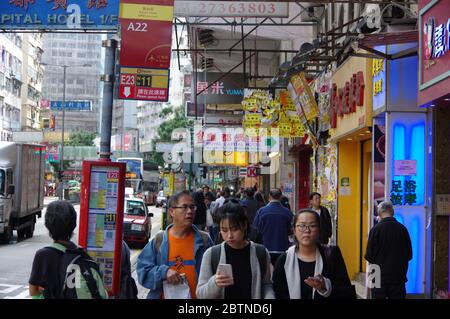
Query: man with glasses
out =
(176, 252)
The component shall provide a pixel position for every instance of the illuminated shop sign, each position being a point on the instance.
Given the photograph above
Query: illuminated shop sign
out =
(435, 38)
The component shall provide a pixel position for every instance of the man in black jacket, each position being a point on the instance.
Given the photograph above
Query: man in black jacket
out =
(326, 226)
(389, 247)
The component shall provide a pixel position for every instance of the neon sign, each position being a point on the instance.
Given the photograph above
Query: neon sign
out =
(436, 38)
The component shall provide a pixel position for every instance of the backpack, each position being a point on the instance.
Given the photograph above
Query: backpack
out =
(159, 237)
(73, 261)
(260, 253)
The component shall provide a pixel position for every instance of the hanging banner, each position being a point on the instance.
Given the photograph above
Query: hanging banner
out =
(262, 111)
(303, 97)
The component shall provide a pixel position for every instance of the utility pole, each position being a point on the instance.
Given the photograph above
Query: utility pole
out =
(61, 195)
(108, 78)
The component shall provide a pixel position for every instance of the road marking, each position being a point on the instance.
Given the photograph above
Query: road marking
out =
(9, 288)
(23, 295)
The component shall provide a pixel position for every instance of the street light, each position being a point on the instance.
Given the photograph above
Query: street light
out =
(61, 195)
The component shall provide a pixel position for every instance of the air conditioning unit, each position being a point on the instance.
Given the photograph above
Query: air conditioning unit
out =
(206, 37)
(206, 63)
(313, 12)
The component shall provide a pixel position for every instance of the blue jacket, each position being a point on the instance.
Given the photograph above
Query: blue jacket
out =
(274, 223)
(152, 265)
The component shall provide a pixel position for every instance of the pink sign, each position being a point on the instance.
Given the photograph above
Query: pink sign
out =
(405, 167)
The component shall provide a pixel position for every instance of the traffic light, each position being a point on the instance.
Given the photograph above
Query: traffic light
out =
(204, 171)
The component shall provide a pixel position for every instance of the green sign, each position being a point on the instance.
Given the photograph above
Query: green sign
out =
(217, 180)
(345, 181)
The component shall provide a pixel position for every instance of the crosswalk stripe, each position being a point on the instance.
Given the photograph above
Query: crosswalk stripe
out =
(9, 288)
(23, 295)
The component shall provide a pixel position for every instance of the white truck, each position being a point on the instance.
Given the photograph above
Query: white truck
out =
(21, 188)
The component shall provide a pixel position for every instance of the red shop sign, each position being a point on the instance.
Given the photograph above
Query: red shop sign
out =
(344, 100)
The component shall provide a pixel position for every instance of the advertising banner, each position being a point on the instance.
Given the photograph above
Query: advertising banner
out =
(303, 97)
(101, 218)
(228, 90)
(59, 14)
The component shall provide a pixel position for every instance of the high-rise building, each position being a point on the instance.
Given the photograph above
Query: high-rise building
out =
(11, 57)
(32, 71)
(82, 54)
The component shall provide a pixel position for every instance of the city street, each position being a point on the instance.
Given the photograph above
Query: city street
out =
(17, 257)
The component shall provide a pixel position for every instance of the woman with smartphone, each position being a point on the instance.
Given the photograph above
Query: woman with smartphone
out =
(237, 268)
(310, 270)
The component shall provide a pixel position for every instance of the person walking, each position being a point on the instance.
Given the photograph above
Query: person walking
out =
(250, 276)
(250, 203)
(211, 222)
(389, 247)
(326, 226)
(272, 225)
(260, 199)
(200, 213)
(310, 270)
(176, 251)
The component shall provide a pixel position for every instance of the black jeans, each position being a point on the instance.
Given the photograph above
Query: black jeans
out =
(273, 258)
(389, 292)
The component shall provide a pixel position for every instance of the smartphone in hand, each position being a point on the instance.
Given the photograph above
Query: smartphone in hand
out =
(225, 269)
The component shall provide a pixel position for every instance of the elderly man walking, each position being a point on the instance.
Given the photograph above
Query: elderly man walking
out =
(389, 247)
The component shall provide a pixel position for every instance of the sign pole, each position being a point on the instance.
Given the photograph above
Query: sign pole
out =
(110, 46)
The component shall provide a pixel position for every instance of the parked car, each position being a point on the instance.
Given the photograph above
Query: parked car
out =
(161, 200)
(137, 223)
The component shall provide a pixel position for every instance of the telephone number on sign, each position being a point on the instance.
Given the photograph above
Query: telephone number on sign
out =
(243, 9)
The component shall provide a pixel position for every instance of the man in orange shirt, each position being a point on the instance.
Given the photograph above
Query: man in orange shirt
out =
(177, 250)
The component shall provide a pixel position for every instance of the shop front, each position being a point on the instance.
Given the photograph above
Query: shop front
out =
(399, 155)
(434, 95)
(350, 129)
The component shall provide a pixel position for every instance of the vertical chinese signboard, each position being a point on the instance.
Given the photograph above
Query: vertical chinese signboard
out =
(146, 49)
(101, 218)
(406, 171)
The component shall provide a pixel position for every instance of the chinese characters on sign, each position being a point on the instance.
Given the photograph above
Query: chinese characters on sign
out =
(377, 68)
(59, 14)
(436, 38)
(344, 100)
(303, 97)
(145, 49)
(218, 88)
(403, 196)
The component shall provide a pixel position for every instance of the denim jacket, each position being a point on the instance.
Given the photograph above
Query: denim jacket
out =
(152, 266)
